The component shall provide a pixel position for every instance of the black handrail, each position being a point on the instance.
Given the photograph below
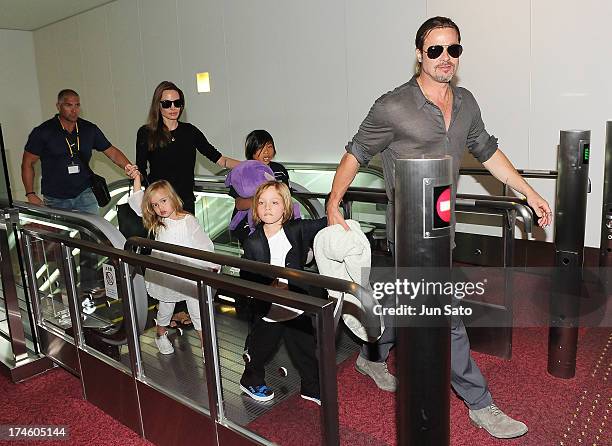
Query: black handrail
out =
(378, 196)
(464, 202)
(525, 173)
(263, 292)
(372, 324)
(74, 220)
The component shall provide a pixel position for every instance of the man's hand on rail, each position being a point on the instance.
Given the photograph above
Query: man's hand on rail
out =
(35, 199)
(541, 208)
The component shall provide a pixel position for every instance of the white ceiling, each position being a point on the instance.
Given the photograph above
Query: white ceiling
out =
(29, 15)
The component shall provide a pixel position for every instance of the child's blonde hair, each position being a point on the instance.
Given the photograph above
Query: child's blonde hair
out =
(152, 222)
(285, 194)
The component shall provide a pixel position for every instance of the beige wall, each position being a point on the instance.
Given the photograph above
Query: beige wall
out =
(538, 67)
(305, 71)
(309, 71)
(20, 103)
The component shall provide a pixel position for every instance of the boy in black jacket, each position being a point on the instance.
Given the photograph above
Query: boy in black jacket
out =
(280, 241)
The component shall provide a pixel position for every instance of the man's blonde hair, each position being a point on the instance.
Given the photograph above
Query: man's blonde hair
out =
(285, 194)
(152, 222)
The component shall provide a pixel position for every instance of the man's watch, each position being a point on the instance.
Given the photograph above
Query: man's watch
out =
(30, 193)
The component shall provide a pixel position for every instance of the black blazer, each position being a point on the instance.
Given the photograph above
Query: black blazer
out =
(301, 234)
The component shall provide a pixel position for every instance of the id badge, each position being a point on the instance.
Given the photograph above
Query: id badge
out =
(73, 168)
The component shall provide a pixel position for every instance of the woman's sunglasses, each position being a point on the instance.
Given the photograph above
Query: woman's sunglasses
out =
(435, 51)
(178, 103)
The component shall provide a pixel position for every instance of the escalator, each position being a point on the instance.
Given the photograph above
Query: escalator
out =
(111, 364)
(46, 311)
(367, 203)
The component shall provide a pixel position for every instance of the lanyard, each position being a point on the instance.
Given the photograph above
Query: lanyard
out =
(78, 141)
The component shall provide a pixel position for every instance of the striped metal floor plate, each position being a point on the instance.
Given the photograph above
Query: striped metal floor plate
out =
(182, 373)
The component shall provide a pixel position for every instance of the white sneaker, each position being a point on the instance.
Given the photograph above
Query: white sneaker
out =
(314, 399)
(164, 345)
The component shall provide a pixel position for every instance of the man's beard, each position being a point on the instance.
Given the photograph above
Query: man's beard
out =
(444, 78)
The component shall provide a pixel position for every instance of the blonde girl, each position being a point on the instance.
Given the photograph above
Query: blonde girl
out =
(163, 216)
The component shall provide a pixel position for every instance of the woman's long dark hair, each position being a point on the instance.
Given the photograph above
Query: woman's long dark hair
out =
(159, 135)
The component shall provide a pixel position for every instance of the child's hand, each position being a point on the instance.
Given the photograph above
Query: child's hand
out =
(278, 284)
(137, 183)
(131, 170)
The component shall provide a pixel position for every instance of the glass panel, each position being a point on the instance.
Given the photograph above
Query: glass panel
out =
(101, 313)
(3, 322)
(214, 212)
(5, 200)
(174, 361)
(287, 415)
(14, 260)
(371, 216)
(52, 298)
(320, 181)
(5, 187)
(101, 305)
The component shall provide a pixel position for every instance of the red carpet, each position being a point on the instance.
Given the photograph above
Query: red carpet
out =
(55, 398)
(558, 412)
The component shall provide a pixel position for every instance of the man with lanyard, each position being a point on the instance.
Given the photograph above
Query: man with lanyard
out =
(428, 115)
(64, 144)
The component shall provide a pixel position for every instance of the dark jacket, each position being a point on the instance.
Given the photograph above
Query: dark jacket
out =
(301, 234)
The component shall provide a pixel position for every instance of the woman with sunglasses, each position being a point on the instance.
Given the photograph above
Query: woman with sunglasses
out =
(166, 147)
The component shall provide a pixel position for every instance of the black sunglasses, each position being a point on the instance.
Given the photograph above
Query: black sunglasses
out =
(178, 103)
(435, 51)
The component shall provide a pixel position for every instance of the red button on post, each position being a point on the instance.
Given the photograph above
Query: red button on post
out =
(443, 205)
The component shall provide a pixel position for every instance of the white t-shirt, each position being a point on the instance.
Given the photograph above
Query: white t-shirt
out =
(279, 247)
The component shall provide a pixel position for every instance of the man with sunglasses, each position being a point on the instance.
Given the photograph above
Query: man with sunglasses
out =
(63, 144)
(429, 116)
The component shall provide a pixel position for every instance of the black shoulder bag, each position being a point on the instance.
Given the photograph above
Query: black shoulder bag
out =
(98, 184)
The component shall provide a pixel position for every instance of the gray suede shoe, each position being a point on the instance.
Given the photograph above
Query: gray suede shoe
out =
(379, 372)
(497, 423)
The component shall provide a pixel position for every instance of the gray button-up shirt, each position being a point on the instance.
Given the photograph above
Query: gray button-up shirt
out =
(405, 123)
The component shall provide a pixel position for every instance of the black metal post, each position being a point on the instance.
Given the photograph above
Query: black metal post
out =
(570, 220)
(326, 347)
(422, 239)
(605, 246)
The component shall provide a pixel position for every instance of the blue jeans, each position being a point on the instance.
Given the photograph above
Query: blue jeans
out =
(84, 202)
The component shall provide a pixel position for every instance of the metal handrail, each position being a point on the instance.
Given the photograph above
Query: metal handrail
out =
(525, 212)
(463, 202)
(92, 225)
(321, 309)
(378, 196)
(525, 173)
(299, 301)
(372, 324)
(369, 194)
(216, 183)
(265, 269)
